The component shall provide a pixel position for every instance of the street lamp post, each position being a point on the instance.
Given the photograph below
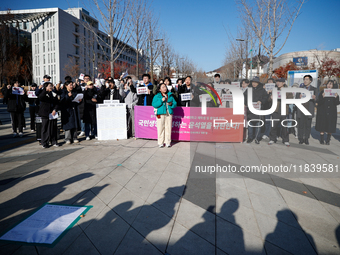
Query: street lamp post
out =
(151, 57)
(251, 56)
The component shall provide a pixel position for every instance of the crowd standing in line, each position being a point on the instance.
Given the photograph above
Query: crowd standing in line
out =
(78, 118)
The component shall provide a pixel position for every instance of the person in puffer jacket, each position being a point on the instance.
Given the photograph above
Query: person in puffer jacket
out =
(164, 103)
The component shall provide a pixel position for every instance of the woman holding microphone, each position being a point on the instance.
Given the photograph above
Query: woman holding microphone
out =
(164, 103)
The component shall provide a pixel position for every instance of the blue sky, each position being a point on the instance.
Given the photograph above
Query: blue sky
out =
(195, 27)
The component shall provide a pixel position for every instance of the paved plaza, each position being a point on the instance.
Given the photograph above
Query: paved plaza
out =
(150, 200)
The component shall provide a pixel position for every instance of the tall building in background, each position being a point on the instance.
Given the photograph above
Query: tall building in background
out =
(61, 44)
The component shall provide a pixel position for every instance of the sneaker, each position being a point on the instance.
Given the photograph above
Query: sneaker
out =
(32, 130)
(56, 145)
(96, 137)
(88, 138)
(76, 141)
(15, 134)
(249, 140)
(271, 142)
(287, 144)
(82, 133)
(23, 128)
(44, 147)
(168, 145)
(21, 134)
(68, 142)
(265, 137)
(161, 146)
(257, 141)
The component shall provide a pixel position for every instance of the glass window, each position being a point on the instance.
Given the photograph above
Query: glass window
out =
(44, 59)
(43, 47)
(43, 36)
(53, 45)
(53, 33)
(53, 20)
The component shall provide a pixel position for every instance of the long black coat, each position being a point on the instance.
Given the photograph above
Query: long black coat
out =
(89, 115)
(69, 111)
(259, 94)
(15, 103)
(149, 97)
(326, 114)
(310, 105)
(48, 103)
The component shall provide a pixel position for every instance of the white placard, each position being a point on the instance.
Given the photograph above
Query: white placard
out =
(142, 90)
(331, 92)
(78, 98)
(111, 101)
(227, 97)
(51, 117)
(185, 97)
(207, 98)
(257, 105)
(279, 94)
(81, 76)
(31, 94)
(111, 121)
(45, 225)
(311, 93)
(269, 86)
(17, 91)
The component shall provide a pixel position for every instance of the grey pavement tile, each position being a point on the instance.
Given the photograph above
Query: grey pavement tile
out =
(321, 227)
(301, 202)
(230, 179)
(26, 250)
(106, 189)
(284, 236)
(165, 199)
(107, 231)
(127, 205)
(134, 243)
(244, 217)
(231, 239)
(63, 244)
(229, 191)
(140, 186)
(154, 225)
(177, 169)
(184, 241)
(273, 249)
(321, 183)
(270, 207)
(197, 219)
(333, 210)
(132, 164)
(168, 180)
(262, 189)
(89, 198)
(121, 175)
(82, 245)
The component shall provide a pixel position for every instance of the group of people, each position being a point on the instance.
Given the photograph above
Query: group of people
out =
(326, 115)
(78, 113)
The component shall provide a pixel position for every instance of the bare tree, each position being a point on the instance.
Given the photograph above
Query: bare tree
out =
(140, 12)
(114, 20)
(273, 17)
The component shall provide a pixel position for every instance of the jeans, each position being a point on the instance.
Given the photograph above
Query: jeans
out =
(254, 130)
(90, 127)
(82, 125)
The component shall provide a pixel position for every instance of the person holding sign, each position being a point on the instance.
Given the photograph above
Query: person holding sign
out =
(48, 106)
(89, 115)
(33, 103)
(16, 106)
(326, 114)
(70, 118)
(276, 129)
(145, 99)
(112, 92)
(305, 122)
(260, 96)
(164, 103)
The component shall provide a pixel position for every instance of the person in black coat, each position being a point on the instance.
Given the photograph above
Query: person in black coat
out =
(326, 114)
(187, 87)
(33, 107)
(305, 121)
(16, 106)
(259, 96)
(89, 115)
(48, 106)
(112, 92)
(145, 99)
(70, 118)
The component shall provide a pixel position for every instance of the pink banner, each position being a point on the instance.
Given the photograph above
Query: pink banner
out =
(188, 124)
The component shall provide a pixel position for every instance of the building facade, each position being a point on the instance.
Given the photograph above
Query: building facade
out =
(63, 43)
